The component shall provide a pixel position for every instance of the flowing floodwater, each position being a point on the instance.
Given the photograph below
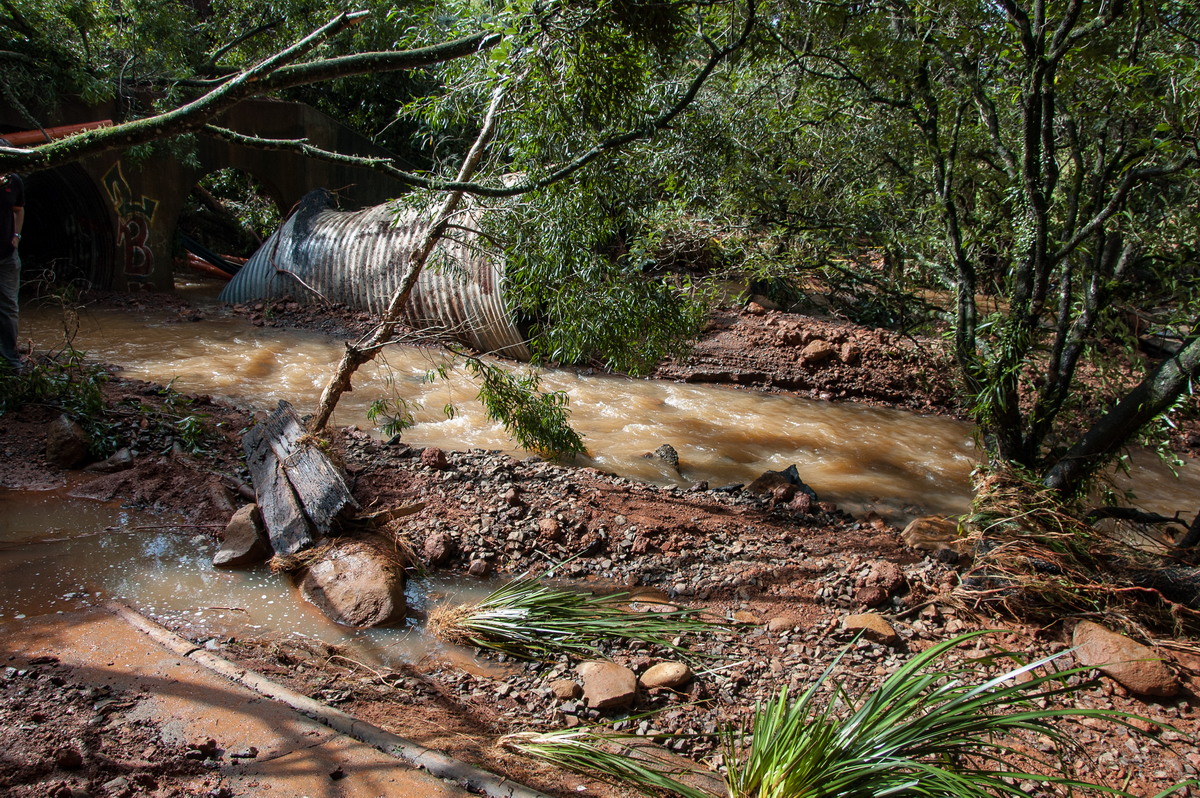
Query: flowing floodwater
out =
(858, 457)
(57, 553)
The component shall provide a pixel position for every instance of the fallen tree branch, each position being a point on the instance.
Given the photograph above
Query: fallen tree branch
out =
(463, 184)
(359, 353)
(275, 73)
(414, 754)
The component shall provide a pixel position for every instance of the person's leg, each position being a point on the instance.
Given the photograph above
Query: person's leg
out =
(10, 284)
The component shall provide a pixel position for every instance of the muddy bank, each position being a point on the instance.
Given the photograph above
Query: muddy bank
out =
(821, 359)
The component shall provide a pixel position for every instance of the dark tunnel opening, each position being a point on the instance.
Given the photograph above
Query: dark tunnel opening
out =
(68, 234)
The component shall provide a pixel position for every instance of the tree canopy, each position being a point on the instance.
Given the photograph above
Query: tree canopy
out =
(1035, 159)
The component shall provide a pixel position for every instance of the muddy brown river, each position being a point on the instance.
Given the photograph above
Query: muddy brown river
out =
(859, 457)
(57, 552)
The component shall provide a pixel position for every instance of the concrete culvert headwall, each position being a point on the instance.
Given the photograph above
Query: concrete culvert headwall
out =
(359, 259)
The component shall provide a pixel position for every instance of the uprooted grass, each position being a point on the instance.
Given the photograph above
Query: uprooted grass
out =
(1035, 557)
(530, 619)
(927, 730)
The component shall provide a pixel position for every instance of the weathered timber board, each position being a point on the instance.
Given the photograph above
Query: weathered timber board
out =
(287, 525)
(318, 483)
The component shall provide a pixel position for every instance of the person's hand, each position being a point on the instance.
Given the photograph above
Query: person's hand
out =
(16, 240)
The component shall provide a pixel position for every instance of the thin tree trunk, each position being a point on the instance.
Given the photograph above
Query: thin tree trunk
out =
(1152, 396)
(365, 349)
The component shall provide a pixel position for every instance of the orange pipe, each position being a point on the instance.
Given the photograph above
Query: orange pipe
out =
(24, 137)
(203, 266)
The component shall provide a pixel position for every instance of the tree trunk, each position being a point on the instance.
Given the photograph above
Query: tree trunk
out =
(1152, 396)
(365, 349)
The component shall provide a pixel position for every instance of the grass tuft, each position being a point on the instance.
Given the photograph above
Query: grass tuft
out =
(529, 619)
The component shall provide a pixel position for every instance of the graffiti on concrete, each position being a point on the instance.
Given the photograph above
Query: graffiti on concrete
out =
(133, 223)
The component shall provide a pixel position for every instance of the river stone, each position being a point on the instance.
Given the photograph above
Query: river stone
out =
(667, 454)
(873, 627)
(121, 461)
(607, 685)
(885, 579)
(933, 533)
(549, 528)
(817, 352)
(565, 689)
(1137, 667)
(356, 584)
(665, 674)
(783, 623)
(439, 548)
(244, 541)
(66, 442)
(433, 457)
(782, 494)
(802, 503)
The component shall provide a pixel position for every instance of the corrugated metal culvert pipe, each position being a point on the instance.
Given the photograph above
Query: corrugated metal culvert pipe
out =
(360, 258)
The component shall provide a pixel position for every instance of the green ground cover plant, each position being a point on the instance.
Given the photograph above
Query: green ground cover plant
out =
(530, 619)
(930, 729)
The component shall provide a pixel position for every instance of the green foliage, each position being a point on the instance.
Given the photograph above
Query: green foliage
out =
(70, 385)
(927, 730)
(529, 619)
(536, 419)
(66, 382)
(395, 411)
(246, 199)
(581, 264)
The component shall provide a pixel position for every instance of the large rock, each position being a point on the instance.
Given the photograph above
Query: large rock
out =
(66, 442)
(770, 481)
(245, 540)
(607, 685)
(356, 584)
(665, 454)
(1137, 667)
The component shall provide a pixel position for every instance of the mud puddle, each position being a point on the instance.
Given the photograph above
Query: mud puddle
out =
(59, 553)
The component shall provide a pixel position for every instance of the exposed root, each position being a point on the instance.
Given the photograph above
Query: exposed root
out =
(393, 549)
(290, 563)
(446, 623)
(1036, 558)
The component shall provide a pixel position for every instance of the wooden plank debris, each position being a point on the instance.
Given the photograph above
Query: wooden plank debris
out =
(300, 491)
(317, 481)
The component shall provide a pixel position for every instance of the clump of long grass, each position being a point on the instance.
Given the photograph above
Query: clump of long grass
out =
(925, 731)
(530, 619)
